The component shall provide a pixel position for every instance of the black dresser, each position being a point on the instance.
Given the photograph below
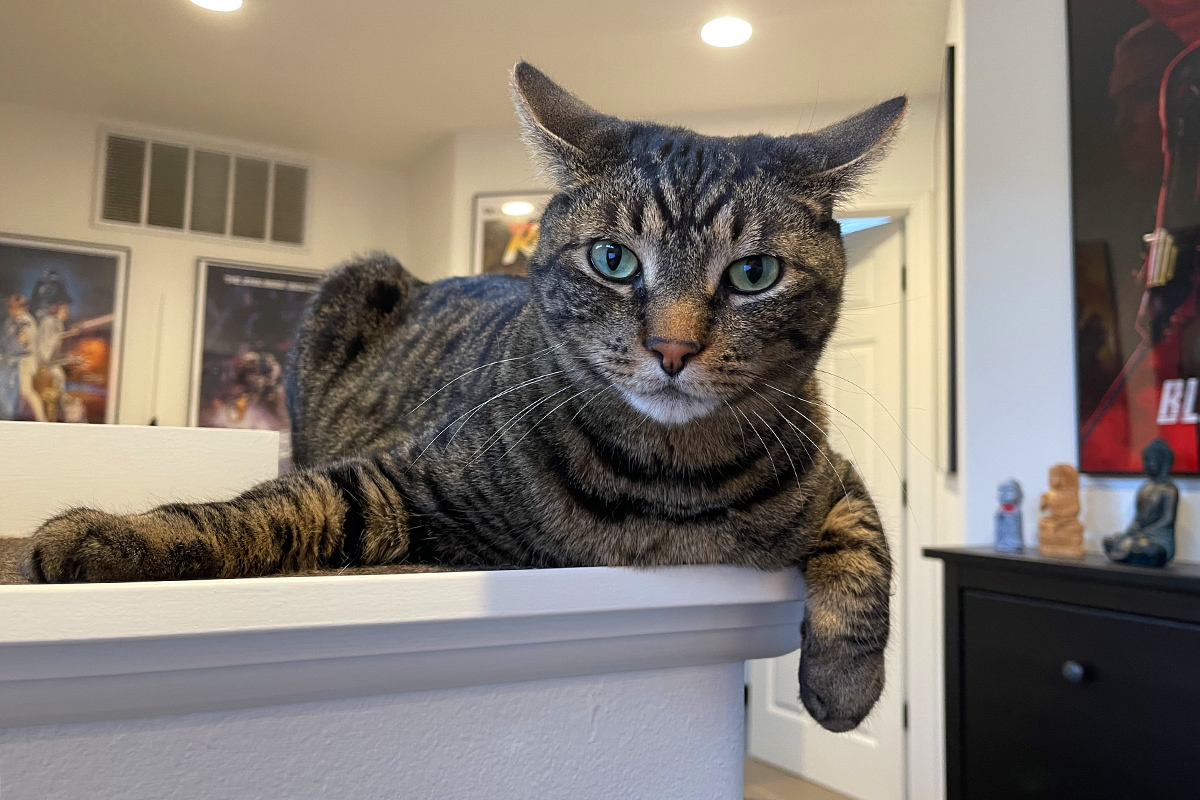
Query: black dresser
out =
(1070, 679)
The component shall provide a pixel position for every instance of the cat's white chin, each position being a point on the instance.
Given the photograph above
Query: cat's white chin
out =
(670, 408)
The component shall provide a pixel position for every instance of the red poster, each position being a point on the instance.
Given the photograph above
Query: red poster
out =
(1135, 141)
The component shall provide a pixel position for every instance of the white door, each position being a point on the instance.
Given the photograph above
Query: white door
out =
(862, 377)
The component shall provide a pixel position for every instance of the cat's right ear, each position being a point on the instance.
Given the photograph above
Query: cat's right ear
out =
(832, 162)
(570, 141)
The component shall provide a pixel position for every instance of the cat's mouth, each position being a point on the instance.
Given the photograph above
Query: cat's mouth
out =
(669, 404)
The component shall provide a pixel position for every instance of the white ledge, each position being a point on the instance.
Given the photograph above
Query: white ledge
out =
(117, 651)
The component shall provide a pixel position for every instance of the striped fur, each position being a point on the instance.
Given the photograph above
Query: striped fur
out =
(498, 421)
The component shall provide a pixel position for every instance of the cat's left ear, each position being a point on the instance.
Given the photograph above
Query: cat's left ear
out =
(567, 138)
(833, 161)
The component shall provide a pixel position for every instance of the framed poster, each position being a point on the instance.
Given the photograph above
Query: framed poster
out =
(246, 317)
(506, 232)
(1135, 148)
(61, 329)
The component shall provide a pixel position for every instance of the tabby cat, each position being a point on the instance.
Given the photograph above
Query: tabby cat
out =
(646, 397)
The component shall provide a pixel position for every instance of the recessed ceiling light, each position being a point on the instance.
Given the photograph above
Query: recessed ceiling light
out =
(724, 32)
(219, 5)
(516, 208)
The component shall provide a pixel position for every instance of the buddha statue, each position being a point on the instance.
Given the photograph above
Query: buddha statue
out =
(1009, 538)
(1059, 530)
(1149, 541)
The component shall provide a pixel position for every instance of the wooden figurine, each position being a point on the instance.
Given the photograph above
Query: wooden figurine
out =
(1059, 530)
(1009, 538)
(1149, 541)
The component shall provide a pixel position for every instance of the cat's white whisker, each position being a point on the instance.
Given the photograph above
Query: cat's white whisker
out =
(912, 514)
(762, 441)
(845, 492)
(498, 435)
(877, 402)
(485, 366)
(465, 416)
(543, 419)
(741, 427)
(823, 404)
(589, 402)
(504, 393)
(810, 420)
(783, 446)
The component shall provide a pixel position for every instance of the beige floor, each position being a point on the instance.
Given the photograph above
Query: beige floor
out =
(764, 782)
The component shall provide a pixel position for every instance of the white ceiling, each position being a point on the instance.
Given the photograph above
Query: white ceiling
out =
(379, 80)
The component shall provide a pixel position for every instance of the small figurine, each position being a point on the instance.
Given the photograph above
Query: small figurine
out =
(1150, 539)
(1009, 538)
(1059, 531)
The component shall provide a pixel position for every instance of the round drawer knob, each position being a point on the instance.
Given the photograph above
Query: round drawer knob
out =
(1074, 672)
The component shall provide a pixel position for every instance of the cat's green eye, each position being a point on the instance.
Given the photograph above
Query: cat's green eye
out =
(613, 261)
(753, 274)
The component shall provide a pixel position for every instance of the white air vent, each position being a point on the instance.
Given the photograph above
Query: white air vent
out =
(163, 185)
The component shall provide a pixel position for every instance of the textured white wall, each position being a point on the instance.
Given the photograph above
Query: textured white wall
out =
(47, 175)
(431, 187)
(1018, 395)
(635, 736)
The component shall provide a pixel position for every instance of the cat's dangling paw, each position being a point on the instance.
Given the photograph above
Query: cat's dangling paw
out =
(839, 683)
(86, 545)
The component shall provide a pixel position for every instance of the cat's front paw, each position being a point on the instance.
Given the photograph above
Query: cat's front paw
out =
(84, 544)
(839, 685)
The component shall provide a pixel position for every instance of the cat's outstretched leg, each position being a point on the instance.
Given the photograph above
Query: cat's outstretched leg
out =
(845, 628)
(346, 513)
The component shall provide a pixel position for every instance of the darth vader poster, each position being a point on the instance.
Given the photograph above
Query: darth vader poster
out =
(60, 330)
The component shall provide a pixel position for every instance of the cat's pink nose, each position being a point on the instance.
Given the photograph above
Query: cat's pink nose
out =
(672, 353)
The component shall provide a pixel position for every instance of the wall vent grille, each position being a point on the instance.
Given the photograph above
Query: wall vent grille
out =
(165, 185)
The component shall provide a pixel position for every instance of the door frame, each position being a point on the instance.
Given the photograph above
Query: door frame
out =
(925, 368)
(919, 631)
(769, 724)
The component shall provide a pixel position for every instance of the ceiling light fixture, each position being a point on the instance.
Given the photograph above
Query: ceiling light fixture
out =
(516, 208)
(219, 5)
(725, 32)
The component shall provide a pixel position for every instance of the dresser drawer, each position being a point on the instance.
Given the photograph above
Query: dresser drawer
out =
(1121, 721)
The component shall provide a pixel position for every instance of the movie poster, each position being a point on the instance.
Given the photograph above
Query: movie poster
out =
(61, 307)
(246, 317)
(506, 232)
(1135, 146)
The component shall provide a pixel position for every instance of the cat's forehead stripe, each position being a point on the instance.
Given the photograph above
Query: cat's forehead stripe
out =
(723, 194)
(660, 201)
(737, 225)
(690, 181)
(635, 218)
